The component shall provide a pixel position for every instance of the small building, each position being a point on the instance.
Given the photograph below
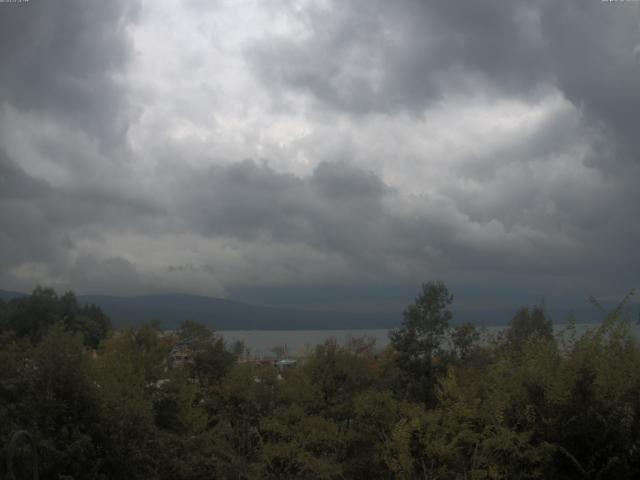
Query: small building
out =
(181, 354)
(285, 364)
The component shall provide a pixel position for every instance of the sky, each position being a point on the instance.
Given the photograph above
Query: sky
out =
(328, 153)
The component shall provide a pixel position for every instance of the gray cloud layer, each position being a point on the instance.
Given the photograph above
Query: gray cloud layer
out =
(59, 59)
(101, 191)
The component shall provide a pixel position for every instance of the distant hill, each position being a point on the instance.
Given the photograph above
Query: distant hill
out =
(220, 314)
(7, 295)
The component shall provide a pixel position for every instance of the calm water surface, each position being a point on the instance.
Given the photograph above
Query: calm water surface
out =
(298, 342)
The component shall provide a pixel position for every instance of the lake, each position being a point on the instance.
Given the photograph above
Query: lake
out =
(297, 342)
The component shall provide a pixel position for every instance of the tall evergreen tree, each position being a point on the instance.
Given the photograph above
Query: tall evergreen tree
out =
(417, 342)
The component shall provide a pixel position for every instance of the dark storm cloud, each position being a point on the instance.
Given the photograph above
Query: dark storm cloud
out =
(39, 220)
(593, 46)
(407, 56)
(367, 56)
(59, 59)
(115, 274)
(524, 205)
(586, 49)
(594, 61)
(16, 184)
(24, 234)
(59, 98)
(248, 200)
(344, 210)
(379, 56)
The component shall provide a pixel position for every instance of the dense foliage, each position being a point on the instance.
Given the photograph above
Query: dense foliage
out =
(440, 403)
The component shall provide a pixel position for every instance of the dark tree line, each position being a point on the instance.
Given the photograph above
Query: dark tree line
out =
(31, 317)
(440, 402)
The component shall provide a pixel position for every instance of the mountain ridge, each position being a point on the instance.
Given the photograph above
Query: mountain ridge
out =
(171, 309)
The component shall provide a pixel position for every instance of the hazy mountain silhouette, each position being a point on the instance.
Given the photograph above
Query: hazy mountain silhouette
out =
(7, 295)
(220, 314)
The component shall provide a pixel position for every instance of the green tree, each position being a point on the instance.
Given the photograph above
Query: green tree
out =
(464, 338)
(526, 323)
(195, 333)
(63, 405)
(235, 407)
(126, 379)
(211, 358)
(298, 445)
(31, 317)
(418, 341)
(337, 376)
(212, 361)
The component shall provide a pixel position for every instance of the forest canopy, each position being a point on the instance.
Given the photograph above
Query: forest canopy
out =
(439, 402)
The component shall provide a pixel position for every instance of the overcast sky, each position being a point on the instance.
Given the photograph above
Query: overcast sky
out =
(346, 147)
